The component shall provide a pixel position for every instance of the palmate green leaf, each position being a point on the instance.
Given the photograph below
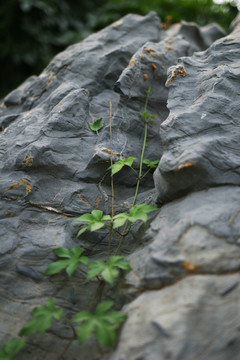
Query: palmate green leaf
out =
(96, 126)
(137, 212)
(70, 264)
(96, 220)
(42, 318)
(95, 269)
(117, 166)
(11, 348)
(108, 270)
(151, 164)
(103, 323)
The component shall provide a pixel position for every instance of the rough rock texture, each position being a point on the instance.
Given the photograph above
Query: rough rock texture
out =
(53, 167)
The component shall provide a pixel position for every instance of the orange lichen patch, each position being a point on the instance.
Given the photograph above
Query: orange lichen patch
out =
(188, 266)
(186, 165)
(96, 202)
(149, 51)
(106, 151)
(85, 201)
(154, 66)
(170, 41)
(179, 71)
(19, 183)
(28, 161)
(131, 62)
(145, 77)
(8, 213)
(168, 47)
(141, 57)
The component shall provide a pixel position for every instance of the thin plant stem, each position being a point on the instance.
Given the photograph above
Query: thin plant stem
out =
(112, 185)
(70, 341)
(145, 116)
(94, 296)
(141, 164)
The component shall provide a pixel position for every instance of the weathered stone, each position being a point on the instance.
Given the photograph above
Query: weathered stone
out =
(53, 168)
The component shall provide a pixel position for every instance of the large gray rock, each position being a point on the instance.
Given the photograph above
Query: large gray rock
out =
(53, 168)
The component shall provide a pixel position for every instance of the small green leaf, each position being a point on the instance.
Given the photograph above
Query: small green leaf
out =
(84, 331)
(42, 318)
(105, 333)
(83, 229)
(103, 307)
(117, 166)
(11, 348)
(95, 221)
(96, 126)
(119, 220)
(70, 264)
(95, 269)
(108, 270)
(103, 324)
(151, 164)
(109, 274)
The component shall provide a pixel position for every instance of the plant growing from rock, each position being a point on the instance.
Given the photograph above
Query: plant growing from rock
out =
(103, 322)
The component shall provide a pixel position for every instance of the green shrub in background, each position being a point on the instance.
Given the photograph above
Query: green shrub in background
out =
(33, 31)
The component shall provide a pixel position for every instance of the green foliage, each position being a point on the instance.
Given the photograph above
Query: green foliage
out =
(70, 264)
(117, 166)
(108, 270)
(103, 323)
(137, 212)
(42, 318)
(96, 126)
(95, 221)
(151, 164)
(11, 348)
(147, 116)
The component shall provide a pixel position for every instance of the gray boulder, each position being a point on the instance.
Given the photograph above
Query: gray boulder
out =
(54, 168)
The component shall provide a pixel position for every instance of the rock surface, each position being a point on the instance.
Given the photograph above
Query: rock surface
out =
(184, 276)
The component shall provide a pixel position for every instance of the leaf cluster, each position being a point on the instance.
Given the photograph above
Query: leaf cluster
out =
(108, 270)
(103, 323)
(42, 318)
(70, 264)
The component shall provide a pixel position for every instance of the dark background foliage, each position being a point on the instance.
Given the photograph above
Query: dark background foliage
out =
(33, 31)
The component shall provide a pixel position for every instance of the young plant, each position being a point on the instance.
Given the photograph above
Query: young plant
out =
(103, 324)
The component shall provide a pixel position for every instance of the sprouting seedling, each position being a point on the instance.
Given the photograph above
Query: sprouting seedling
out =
(11, 348)
(71, 261)
(108, 270)
(103, 323)
(96, 126)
